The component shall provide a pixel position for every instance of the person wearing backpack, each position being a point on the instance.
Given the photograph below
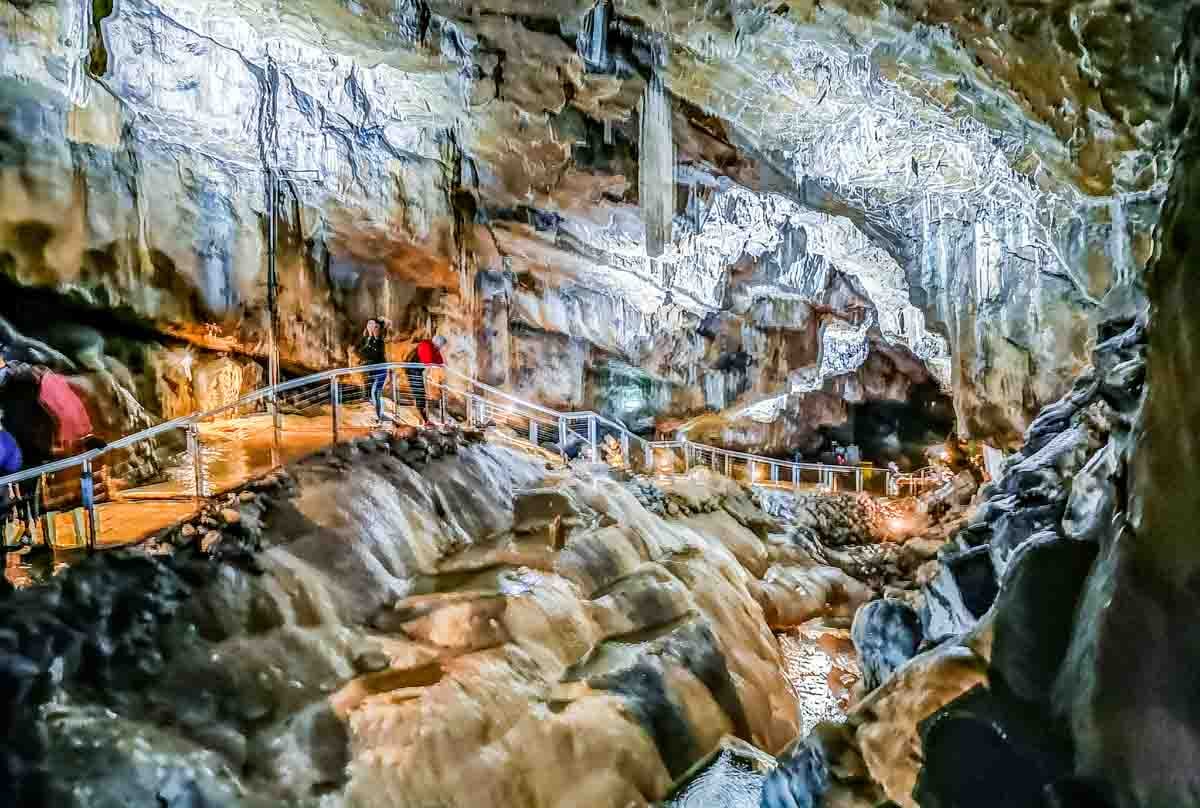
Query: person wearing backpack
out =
(426, 352)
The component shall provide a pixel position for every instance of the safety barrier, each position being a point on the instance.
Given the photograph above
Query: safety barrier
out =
(181, 459)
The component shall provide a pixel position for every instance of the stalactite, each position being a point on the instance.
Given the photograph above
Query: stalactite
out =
(695, 208)
(592, 42)
(78, 31)
(656, 167)
(463, 203)
(1119, 243)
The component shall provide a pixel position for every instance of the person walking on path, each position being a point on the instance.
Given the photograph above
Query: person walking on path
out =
(427, 352)
(371, 352)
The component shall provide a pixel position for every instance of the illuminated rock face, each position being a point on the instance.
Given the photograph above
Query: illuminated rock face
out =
(364, 628)
(843, 183)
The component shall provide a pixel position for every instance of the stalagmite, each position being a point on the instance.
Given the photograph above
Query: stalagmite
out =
(656, 167)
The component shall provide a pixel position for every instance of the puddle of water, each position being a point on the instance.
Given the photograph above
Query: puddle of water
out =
(731, 780)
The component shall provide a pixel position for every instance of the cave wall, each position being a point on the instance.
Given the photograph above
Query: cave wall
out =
(1136, 636)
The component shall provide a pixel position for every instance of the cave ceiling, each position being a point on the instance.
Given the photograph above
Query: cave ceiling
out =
(807, 142)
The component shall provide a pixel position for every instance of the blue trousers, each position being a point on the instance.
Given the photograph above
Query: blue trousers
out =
(378, 382)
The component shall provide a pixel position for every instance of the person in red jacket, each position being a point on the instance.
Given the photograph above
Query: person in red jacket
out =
(427, 352)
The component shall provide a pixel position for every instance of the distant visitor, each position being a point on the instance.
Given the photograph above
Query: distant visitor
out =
(426, 352)
(371, 352)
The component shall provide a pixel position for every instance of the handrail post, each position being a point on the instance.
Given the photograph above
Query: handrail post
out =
(88, 491)
(649, 453)
(392, 374)
(196, 453)
(749, 472)
(442, 402)
(796, 478)
(858, 479)
(592, 438)
(533, 430)
(687, 460)
(335, 395)
(728, 466)
(774, 472)
(562, 437)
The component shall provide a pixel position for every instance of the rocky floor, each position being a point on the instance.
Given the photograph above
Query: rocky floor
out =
(430, 619)
(427, 619)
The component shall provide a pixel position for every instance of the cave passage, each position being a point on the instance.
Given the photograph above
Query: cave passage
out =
(808, 417)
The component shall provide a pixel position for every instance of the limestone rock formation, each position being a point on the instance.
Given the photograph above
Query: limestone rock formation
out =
(365, 625)
(1007, 617)
(474, 168)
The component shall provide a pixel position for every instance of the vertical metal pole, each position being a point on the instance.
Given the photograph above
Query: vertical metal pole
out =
(442, 402)
(335, 395)
(687, 460)
(533, 431)
(195, 452)
(774, 473)
(562, 437)
(592, 438)
(625, 449)
(395, 398)
(649, 452)
(858, 479)
(796, 478)
(728, 466)
(750, 472)
(88, 490)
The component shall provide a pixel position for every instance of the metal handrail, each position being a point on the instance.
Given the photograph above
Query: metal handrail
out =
(187, 421)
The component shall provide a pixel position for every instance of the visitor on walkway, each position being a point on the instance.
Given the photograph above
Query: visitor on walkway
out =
(427, 352)
(73, 425)
(10, 463)
(10, 452)
(371, 352)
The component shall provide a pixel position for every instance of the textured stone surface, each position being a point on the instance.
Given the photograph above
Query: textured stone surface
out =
(886, 633)
(474, 166)
(363, 626)
(887, 723)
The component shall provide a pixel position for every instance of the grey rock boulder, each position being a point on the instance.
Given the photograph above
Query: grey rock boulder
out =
(886, 634)
(1093, 500)
(961, 593)
(1035, 614)
(1015, 528)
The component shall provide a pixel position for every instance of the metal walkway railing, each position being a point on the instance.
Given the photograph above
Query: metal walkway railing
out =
(184, 460)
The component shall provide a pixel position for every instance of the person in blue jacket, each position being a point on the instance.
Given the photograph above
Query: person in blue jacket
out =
(11, 462)
(10, 452)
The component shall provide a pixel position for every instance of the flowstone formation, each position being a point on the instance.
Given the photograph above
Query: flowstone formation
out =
(423, 619)
(678, 208)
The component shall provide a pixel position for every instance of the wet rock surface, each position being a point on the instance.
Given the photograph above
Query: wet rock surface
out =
(887, 633)
(285, 645)
(954, 705)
